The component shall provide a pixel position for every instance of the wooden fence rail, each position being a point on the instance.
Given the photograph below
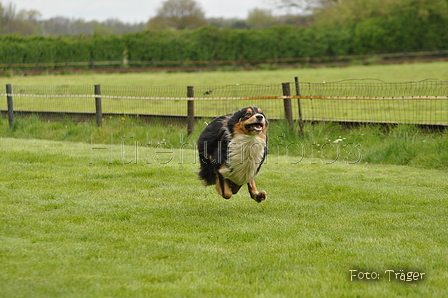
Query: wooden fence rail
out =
(189, 98)
(422, 103)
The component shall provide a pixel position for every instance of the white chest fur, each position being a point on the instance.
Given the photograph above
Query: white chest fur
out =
(245, 154)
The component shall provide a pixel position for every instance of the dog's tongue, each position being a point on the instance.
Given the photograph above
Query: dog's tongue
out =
(257, 127)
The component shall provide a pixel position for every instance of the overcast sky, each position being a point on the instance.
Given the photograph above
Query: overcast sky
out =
(132, 11)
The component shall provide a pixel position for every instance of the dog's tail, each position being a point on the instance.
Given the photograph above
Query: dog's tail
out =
(207, 171)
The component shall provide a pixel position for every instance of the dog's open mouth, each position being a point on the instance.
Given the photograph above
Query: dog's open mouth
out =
(254, 127)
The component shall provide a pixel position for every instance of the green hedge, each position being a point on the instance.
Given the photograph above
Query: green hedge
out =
(404, 32)
(407, 32)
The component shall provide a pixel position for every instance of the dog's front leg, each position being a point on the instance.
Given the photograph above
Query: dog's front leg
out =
(258, 196)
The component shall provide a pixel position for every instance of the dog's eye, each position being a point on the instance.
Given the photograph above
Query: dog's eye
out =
(248, 114)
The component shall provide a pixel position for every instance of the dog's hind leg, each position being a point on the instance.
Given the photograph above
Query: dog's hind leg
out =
(223, 187)
(235, 187)
(258, 196)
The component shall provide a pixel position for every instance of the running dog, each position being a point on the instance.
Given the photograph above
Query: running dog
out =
(232, 149)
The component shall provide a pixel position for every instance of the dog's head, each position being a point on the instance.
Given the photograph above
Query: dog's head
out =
(249, 121)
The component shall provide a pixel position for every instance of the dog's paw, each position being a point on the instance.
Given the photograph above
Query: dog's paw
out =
(261, 196)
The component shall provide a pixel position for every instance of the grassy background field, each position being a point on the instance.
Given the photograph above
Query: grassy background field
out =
(73, 224)
(224, 83)
(389, 73)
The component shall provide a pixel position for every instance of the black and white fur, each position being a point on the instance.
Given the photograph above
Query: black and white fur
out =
(232, 149)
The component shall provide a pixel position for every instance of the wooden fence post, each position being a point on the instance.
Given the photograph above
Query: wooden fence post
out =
(287, 104)
(10, 105)
(98, 107)
(190, 110)
(296, 80)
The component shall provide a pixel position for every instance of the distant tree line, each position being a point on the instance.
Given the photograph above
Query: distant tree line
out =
(30, 22)
(343, 27)
(186, 14)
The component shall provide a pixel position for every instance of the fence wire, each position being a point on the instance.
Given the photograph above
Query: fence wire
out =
(422, 102)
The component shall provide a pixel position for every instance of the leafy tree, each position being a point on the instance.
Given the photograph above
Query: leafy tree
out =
(19, 26)
(260, 18)
(7, 14)
(23, 22)
(360, 10)
(178, 14)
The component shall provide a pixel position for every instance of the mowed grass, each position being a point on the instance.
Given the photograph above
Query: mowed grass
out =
(389, 73)
(76, 222)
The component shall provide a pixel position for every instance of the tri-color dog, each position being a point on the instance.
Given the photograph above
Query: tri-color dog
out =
(232, 149)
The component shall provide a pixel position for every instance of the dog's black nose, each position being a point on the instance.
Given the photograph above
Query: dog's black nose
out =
(259, 117)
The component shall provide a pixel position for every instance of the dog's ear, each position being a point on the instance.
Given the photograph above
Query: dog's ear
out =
(235, 118)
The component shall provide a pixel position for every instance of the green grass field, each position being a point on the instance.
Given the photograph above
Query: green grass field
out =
(118, 211)
(389, 73)
(80, 222)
